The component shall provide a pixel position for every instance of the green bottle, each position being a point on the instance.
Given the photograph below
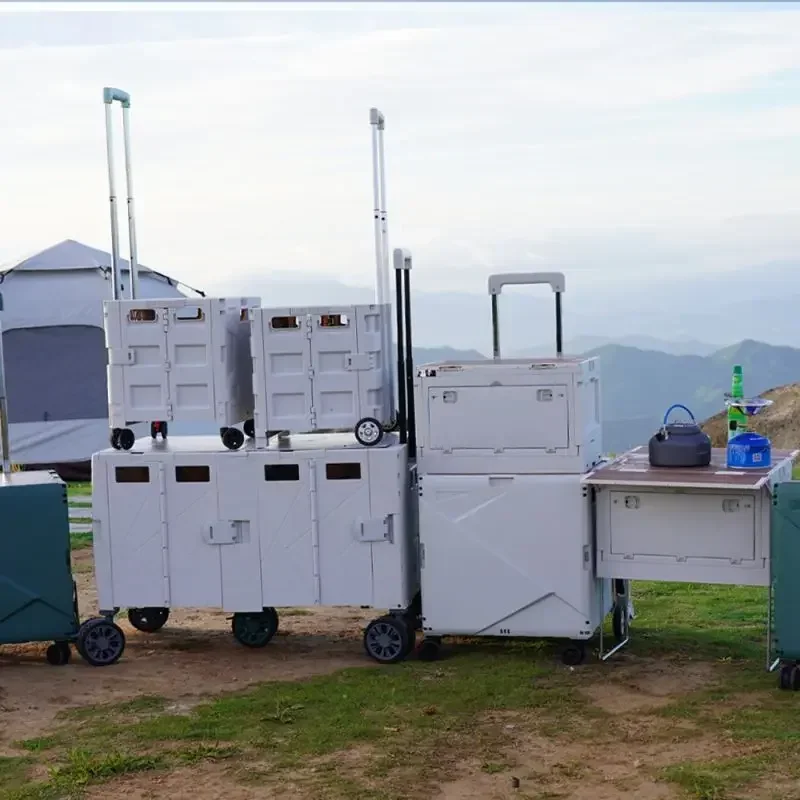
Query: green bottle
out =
(737, 419)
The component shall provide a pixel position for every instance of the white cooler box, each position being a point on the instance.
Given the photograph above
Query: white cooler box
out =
(508, 416)
(186, 523)
(322, 369)
(508, 555)
(184, 360)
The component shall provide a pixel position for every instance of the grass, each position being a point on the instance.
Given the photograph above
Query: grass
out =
(399, 732)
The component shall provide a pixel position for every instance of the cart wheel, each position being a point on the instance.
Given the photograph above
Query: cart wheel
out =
(794, 678)
(620, 622)
(126, 438)
(386, 639)
(58, 654)
(101, 642)
(157, 428)
(148, 620)
(249, 428)
(573, 654)
(430, 649)
(785, 677)
(255, 630)
(232, 438)
(114, 438)
(368, 431)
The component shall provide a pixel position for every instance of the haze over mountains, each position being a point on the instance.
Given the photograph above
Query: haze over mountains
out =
(660, 341)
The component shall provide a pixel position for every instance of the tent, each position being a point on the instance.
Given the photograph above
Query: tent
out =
(55, 355)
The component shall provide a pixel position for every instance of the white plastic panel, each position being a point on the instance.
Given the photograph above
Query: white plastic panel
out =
(284, 375)
(237, 504)
(498, 417)
(343, 491)
(136, 533)
(508, 555)
(194, 562)
(191, 361)
(284, 499)
(334, 345)
(683, 526)
(693, 536)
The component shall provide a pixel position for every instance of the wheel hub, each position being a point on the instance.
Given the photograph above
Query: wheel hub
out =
(369, 431)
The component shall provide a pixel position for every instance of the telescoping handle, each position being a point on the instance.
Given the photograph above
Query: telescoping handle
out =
(111, 95)
(555, 280)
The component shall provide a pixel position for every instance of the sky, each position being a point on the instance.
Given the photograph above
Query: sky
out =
(616, 141)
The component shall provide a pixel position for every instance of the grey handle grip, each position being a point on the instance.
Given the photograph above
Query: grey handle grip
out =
(555, 280)
(110, 95)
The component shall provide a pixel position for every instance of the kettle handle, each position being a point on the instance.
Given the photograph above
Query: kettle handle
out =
(673, 407)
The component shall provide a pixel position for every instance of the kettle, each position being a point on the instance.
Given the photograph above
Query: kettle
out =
(679, 444)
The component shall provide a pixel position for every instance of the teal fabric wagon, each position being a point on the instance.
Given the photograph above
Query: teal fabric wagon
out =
(38, 597)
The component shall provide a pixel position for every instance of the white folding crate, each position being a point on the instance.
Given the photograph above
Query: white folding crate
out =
(696, 524)
(508, 555)
(334, 523)
(509, 416)
(183, 359)
(322, 369)
(186, 523)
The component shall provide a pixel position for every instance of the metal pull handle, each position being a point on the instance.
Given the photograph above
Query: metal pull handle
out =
(555, 280)
(110, 95)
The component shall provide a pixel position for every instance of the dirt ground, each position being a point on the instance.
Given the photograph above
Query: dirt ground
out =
(196, 655)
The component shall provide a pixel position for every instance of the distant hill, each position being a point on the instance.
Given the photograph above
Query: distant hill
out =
(780, 422)
(582, 344)
(638, 385)
(428, 355)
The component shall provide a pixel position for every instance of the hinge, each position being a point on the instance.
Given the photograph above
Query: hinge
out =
(376, 530)
(312, 414)
(167, 366)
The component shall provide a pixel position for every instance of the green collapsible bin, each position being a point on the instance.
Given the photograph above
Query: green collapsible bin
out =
(38, 597)
(37, 593)
(785, 568)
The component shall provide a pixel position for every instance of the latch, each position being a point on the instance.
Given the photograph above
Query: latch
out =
(544, 395)
(357, 362)
(449, 396)
(224, 532)
(376, 530)
(730, 505)
(121, 357)
(631, 501)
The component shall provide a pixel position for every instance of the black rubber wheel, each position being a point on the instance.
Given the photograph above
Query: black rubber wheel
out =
(386, 639)
(157, 429)
(114, 438)
(101, 642)
(148, 620)
(620, 622)
(254, 629)
(429, 649)
(368, 431)
(573, 654)
(249, 428)
(126, 438)
(785, 677)
(232, 438)
(794, 678)
(58, 654)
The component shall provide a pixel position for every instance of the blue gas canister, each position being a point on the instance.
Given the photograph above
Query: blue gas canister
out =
(749, 451)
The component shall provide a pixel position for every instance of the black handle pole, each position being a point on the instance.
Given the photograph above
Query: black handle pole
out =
(412, 417)
(401, 360)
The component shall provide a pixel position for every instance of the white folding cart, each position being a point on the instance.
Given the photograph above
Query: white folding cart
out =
(505, 525)
(330, 368)
(185, 359)
(186, 523)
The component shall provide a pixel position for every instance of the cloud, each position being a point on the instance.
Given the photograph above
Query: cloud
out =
(505, 126)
